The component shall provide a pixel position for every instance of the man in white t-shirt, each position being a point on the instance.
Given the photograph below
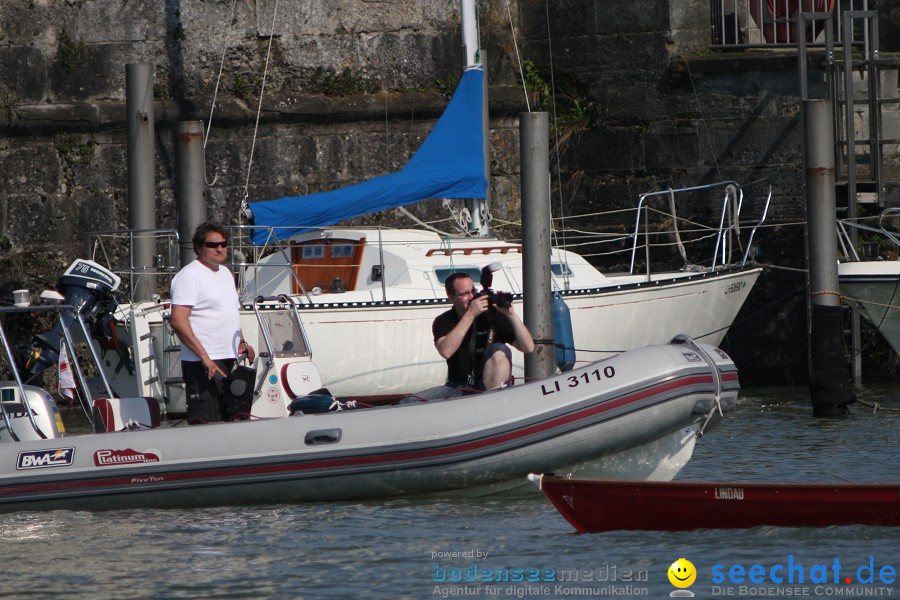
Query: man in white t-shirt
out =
(206, 318)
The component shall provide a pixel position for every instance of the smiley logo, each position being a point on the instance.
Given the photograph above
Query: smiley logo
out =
(682, 573)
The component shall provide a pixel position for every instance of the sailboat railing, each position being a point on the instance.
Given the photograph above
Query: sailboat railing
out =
(732, 200)
(245, 256)
(762, 219)
(115, 249)
(845, 232)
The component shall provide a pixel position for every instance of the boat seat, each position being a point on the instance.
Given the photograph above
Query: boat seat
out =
(119, 414)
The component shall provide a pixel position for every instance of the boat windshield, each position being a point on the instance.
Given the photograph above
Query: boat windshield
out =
(284, 333)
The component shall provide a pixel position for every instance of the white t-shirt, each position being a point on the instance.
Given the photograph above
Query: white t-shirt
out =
(215, 309)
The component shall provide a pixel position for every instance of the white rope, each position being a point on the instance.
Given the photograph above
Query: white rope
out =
(460, 217)
(420, 222)
(262, 90)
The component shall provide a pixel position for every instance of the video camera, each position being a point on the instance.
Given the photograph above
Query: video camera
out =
(501, 299)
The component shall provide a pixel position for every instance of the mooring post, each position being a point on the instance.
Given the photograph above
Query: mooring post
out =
(829, 381)
(141, 178)
(534, 153)
(190, 197)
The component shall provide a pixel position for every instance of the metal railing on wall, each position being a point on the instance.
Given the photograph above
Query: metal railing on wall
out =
(775, 23)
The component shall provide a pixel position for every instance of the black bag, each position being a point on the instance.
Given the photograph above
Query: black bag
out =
(237, 393)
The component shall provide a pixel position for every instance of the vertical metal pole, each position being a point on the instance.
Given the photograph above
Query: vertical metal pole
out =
(850, 137)
(190, 193)
(849, 130)
(486, 145)
(829, 382)
(141, 183)
(473, 56)
(469, 18)
(534, 144)
(874, 74)
(820, 202)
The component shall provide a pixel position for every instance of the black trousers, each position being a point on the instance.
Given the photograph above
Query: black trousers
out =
(204, 395)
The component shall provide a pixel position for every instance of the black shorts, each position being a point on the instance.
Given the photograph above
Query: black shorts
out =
(204, 395)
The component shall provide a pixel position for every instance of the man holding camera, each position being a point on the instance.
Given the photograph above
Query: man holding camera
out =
(473, 336)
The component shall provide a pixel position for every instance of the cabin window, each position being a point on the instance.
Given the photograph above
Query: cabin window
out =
(442, 273)
(560, 269)
(331, 264)
(310, 252)
(342, 251)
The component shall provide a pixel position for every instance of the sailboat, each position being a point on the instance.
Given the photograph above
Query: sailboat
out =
(368, 296)
(872, 287)
(313, 431)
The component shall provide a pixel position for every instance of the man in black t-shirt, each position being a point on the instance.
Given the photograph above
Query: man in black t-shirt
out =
(472, 337)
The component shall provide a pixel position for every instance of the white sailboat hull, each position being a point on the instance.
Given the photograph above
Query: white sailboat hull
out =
(361, 346)
(872, 288)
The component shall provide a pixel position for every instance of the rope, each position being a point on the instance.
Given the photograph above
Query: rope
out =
(703, 119)
(461, 217)
(212, 107)
(512, 30)
(781, 268)
(867, 301)
(564, 347)
(262, 90)
(420, 222)
(876, 406)
(559, 188)
(827, 293)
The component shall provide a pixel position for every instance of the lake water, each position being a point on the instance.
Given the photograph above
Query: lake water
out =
(412, 548)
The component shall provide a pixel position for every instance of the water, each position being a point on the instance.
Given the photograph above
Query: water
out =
(389, 549)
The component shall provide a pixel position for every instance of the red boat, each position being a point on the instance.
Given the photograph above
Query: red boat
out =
(592, 505)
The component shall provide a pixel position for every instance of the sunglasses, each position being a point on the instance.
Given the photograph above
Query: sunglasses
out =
(221, 244)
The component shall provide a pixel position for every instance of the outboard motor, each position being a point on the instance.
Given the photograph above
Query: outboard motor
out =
(89, 288)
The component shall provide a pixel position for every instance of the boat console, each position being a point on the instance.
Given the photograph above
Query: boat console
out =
(34, 419)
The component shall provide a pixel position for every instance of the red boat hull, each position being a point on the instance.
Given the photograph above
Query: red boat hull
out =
(681, 506)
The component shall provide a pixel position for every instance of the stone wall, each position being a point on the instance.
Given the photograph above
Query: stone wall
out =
(353, 86)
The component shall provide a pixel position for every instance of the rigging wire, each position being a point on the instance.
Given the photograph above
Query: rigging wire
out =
(512, 30)
(562, 255)
(262, 90)
(703, 120)
(212, 107)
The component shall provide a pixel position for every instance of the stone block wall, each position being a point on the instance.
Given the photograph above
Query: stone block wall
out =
(352, 88)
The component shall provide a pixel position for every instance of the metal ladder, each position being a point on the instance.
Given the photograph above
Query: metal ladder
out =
(860, 119)
(170, 370)
(859, 122)
(860, 151)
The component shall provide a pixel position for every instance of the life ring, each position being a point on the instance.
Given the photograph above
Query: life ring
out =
(779, 20)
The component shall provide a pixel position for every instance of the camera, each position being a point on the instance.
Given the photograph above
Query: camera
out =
(501, 299)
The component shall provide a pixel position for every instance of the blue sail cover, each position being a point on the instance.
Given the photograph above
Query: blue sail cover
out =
(448, 164)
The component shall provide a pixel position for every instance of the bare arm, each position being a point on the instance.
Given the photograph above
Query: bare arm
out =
(182, 327)
(524, 342)
(450, 343)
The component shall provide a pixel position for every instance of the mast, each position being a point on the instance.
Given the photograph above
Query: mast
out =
(473, 57)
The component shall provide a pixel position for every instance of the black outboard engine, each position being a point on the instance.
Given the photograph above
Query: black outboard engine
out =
(89, 288)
